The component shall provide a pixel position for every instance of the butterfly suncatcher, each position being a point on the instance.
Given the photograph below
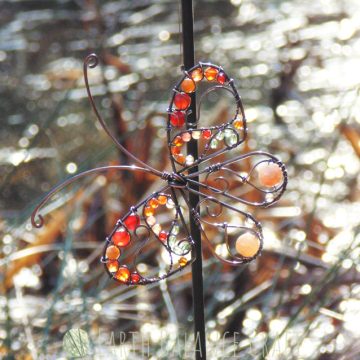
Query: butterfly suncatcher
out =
(155, 230)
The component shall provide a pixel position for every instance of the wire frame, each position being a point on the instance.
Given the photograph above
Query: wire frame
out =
(157, 224)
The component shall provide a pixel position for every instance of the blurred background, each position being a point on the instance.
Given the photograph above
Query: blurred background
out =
(296, 66)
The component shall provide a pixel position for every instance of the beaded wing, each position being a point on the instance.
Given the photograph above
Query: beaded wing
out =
(152, 241)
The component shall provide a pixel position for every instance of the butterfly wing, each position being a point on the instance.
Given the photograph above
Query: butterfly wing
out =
(212, 140)
(256, 178)
(150, 243)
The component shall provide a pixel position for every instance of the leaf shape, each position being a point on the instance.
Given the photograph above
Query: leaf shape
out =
(212, 141)
(256, 178)
(150, 243)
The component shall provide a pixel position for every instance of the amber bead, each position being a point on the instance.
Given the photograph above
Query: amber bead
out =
(211, 73)
(163, 235)
(181, 159)
(132, 221)
(206, 134)
(247, 244)
(112, 252)
(121, 237)
(162, 199)
(238, 124)
(178, 141)
(269, 174)
(221, 78)
(135, 277)
(123, 274)
(182, 261)
(153, 203)
(188, 85)
(175, 150)
(177, 118)
(149, 211)
(182, 101)
(197, 75)
(112, 266)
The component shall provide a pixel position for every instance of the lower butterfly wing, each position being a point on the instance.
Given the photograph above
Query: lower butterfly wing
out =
(233, 235)
(150, 243)
(227, 191)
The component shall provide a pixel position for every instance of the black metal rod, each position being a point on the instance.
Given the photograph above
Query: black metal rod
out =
(192, 149)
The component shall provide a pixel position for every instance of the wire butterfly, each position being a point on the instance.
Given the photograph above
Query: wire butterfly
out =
(147, 226)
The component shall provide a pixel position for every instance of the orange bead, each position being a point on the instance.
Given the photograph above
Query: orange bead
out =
(269, 174)
(247, 245)
(162, 199)
(182, 261)
(121, 237)
(211, 73)
(153, 203)
(197, 75)
(112, 266)
(238, 124)
(123, 274)
(188, 85)
(112, 252)
(181, 159)
(178, 141)
(135, 277)
(175, 150)
(149, 211)
(182, 101)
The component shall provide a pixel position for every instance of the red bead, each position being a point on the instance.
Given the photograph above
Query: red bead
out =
(182, 101)
(163, 235)
(121, 237)
(135, 277)
(132, 221)
(221, 78)
(175, 150)
(177, 118)
(206, 134)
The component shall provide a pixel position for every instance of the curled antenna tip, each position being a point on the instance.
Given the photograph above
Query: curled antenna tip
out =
(91, 60)
(37, 223)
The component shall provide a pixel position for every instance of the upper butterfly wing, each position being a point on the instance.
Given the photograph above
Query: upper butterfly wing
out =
(212, 140)
(256, 178)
